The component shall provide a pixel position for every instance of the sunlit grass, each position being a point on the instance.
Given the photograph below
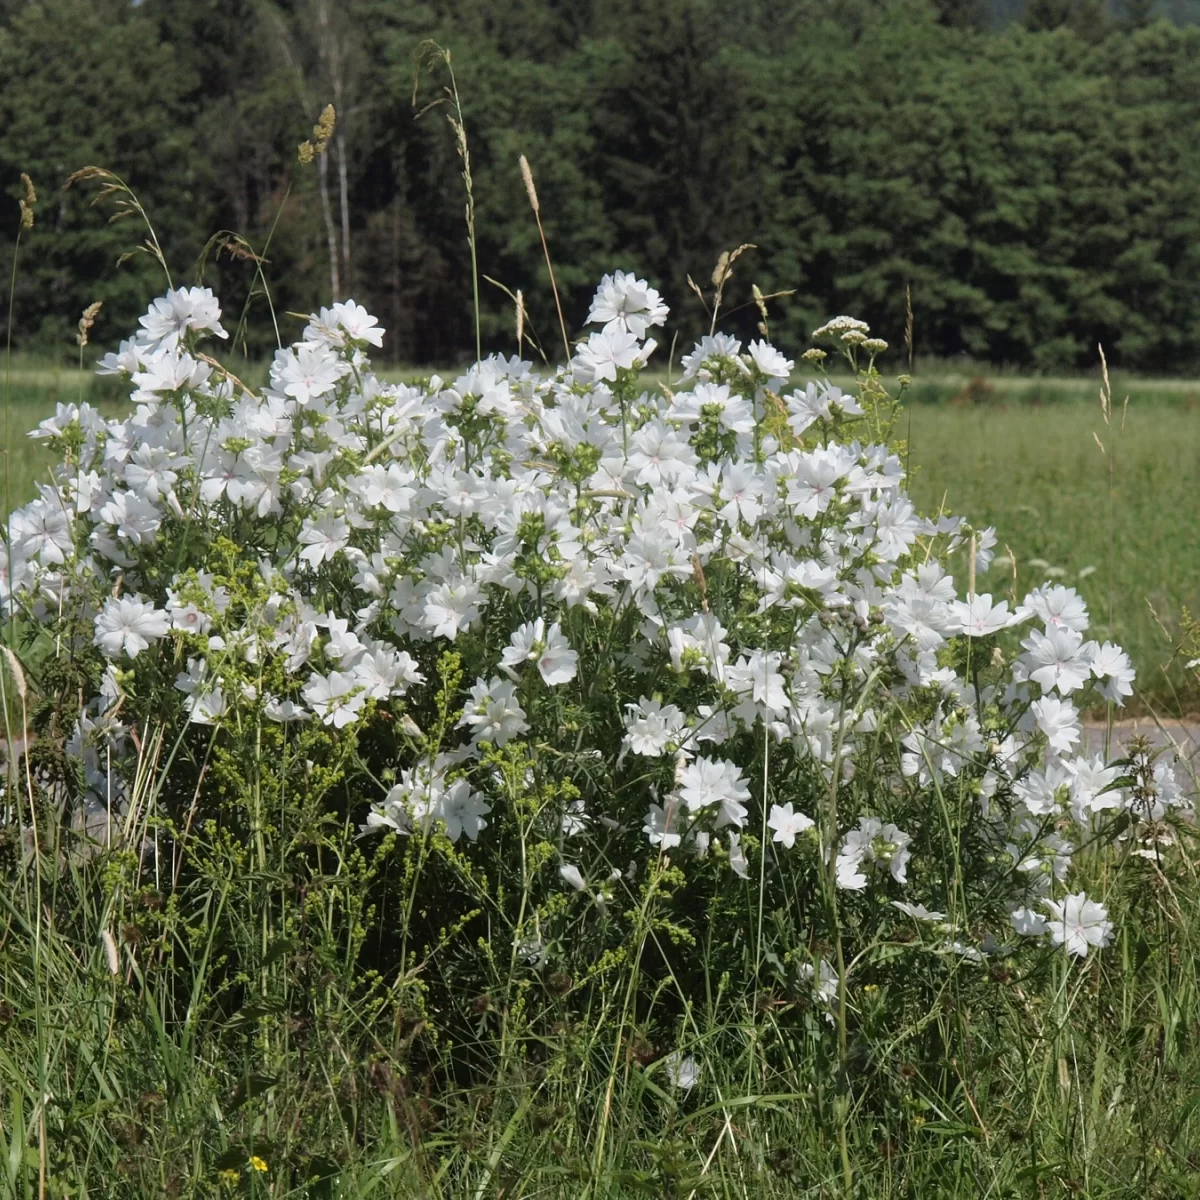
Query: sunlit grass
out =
(1037, 475)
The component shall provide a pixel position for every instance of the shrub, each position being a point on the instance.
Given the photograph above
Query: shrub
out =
(531, 730)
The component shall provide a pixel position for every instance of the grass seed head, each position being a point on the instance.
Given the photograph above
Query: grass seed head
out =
(86, 321)
(530, 190)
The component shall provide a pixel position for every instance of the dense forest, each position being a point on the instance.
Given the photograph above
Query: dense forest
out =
(1031, 175)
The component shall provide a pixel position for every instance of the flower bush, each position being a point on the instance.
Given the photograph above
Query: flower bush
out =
(619, 697)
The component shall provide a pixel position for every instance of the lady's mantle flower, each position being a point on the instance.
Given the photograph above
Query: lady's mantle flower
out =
(129, 624)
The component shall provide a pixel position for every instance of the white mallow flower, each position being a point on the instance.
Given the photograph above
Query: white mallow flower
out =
(769, 362)
(707, 783)
(207, 707)
(664, 824)
(683, 1071)
(307, 373)
(1027, 922)
(323, 538)
(1111, 665)
(625, 303)
(918, 912)
(549, 648)
(336, 698)
(709, 347)
(872, 843)
(1058, 720)
(737, 856)
(606, 353)
(181, 310)
(811, 478)
(1077, 923)
(493, 713)
(979, 617)
(1057, 607)
(342, 323)
(462, 810)
(275, 709)
(129, 624)
(787, 824)
(452, 608)
(572, 875)
(651, 726)
(759, 684)
(1058, 659)
(819, 402)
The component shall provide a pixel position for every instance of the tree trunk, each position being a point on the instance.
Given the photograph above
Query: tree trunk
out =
(344, 200)
(335, 280)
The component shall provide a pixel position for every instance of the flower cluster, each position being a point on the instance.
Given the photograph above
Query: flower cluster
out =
(709, 605)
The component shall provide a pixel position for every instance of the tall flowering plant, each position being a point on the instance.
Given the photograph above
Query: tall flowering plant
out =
(609, 675)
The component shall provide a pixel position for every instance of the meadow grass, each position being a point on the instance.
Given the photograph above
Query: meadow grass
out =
(1037, 475)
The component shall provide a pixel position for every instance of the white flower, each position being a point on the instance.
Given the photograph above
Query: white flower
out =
(462, 811)
(336, 698)
(663, 825)
(1058, 659)
(129, 624)
(1027, 922)
(787, 824)
(307, 372)
(494, 713)
(1111, 664)
(978, 617)
(706, 783)
(771, 363)
(450, 609)
(341, 323)
(737, 856)
(532, 642)
(1058, 720)
(918, 912)
(651, 727)
(180, 310)
(1057, 607)
(606, 353)
(207, 707)
(572, 875)
(839, 325)
(872, 842)
(683, 1071)
(283, 710)
(323, 538)
(624, 303)
(1077, 923)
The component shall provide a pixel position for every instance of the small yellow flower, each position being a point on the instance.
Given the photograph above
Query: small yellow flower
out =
(258, 1164)
(228, 1177)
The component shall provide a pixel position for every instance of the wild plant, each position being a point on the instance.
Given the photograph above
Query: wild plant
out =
(565, 752)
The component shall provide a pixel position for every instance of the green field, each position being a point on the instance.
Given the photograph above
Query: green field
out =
(1017, 453)
(1037, 475)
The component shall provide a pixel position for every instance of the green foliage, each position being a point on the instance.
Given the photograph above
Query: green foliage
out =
(1032, 185)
